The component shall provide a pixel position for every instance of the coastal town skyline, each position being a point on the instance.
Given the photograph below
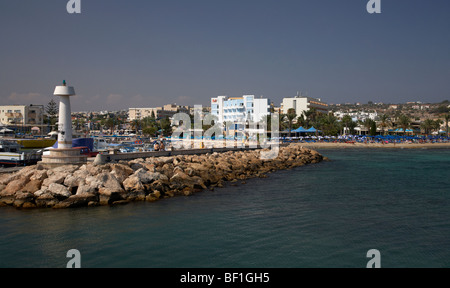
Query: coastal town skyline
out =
(137, 54)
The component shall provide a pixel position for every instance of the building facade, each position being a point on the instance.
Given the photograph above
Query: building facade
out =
(239, 109)
(159, 112)
(22, 115)
(302, 104)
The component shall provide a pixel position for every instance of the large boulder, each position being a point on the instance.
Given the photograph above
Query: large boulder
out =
(46, 200)
(133, 183)
(32, 186)
(14, 186)
(23, 197)
(68, 169)
(110, 182)
(111, 189)
(76, 201)
(59, 191)
(57, 177)
(121, 172)
(39, 175)
(147, 177)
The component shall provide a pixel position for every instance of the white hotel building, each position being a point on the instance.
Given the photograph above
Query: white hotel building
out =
(303, 103)
(239, 109)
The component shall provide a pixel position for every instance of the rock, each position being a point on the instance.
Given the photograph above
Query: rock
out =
(133, 183)
(86, 190)
(108, 196)
(93, 170)
(110, 182)
(136, 166)
(21, 198)
(39, 175)
(76, 201)
(59, 191)
(93, 182)
(120, 202)
(121, 172)
(32, 186)
(111, 189)
(46, 200)
(40, 192)
(56, 177)
(28, 205)
(67, 169)
(72, 181)
(165, 160)
(147, 177)
(13, 187)
(152, 197)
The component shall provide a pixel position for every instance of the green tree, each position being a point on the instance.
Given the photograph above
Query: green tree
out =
(446, 120)
(150, 131)
(135, 125)
(384, 123)
(166, 126)
(368, 123)
(437, 125)
(373, 129)
(328, 124)
(404, 122)
(52, 111)
(348, 123)
(290, 116)
(111, 123)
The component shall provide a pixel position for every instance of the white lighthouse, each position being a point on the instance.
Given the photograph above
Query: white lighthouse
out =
(65, 115)
(64, 154)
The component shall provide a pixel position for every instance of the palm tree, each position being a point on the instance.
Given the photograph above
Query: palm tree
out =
(348, 123)
(384, 123)
(291, 115)
(110, 123)
(135, 125)
(404, 122)
(329, 125)
(427, 125)
(447, 119)
(312, 115)
(437, 125)
(368, 123)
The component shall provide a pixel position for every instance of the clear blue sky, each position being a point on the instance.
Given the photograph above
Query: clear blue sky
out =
(146, 53)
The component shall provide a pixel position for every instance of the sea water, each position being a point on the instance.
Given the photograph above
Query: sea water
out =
(324, 215)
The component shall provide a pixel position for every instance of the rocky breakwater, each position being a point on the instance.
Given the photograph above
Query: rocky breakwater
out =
(147, 179)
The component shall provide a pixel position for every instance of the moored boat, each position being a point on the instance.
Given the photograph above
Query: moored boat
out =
(36, 143)
(11, 155)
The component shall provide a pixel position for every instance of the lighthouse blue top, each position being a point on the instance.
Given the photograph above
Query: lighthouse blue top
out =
(64, 90)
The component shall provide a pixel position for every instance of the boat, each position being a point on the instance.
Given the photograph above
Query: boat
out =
(10, 154)
(36, 143)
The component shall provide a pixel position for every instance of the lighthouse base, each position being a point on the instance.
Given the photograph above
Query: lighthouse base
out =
(65, 156)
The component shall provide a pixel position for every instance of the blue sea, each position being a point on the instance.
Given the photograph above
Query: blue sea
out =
(324, 215)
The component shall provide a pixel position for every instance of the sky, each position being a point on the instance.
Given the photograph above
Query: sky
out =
(121, 54)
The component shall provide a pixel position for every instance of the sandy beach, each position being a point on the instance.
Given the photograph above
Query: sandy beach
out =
(327, 145)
